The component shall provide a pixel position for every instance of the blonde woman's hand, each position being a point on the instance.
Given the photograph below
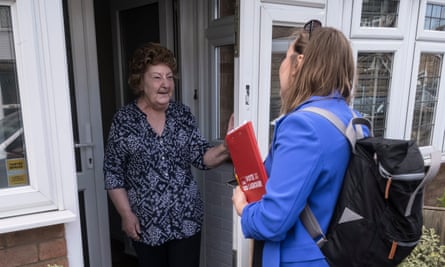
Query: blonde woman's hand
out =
(239, 200)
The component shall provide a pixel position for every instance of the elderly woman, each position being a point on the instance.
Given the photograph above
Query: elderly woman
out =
(152, 145)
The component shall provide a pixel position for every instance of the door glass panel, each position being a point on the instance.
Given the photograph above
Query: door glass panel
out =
(282, 36)
(373, 87)
(13, 170)
(225, 77)
(224, 8)
(428, 79)
(435, 17)
(380, 13)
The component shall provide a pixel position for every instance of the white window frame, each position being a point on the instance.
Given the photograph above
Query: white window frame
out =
(381, 32)
(439, 123)
(310, 3)
(219, 33)
(275, 15)
(51, 196)
(428, 35)
(395, 122)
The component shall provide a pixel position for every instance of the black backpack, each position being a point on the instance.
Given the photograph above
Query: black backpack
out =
(378, 216)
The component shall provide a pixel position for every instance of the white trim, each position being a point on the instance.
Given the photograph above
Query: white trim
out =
(44, 90)
(381, 32)
(272, 15)
(245, 108)
(43, 83)
(439, 129)
(397, 95)
(188, 54)
(428, 35)
(26, 222)
(312, 3)
(219, 33)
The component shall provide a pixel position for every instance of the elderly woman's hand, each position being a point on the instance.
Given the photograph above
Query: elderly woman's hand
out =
(239, 200)
(231, 123)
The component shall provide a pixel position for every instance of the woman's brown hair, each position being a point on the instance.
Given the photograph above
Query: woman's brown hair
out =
(145, 56)
(328, 66)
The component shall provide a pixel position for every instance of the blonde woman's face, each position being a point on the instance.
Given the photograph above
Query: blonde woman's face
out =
(288, 69)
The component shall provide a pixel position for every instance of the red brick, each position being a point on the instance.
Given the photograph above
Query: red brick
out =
(52, 249)
(59, 261)
(18, 256)
(2, 242)
(34, 235)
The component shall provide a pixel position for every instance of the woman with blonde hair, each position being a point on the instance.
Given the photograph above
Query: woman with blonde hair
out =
(308, 155)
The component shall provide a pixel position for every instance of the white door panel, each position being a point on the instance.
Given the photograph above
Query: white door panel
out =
(92, 196)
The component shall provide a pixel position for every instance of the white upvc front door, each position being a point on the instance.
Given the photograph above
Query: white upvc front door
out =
(88, 133)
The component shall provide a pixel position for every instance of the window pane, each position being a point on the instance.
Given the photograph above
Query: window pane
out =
(282, 36)
(373, 87)
(380, 13)
(226, 81)
(225, 8)
(435, 17)
(13, 170)
(425, 104)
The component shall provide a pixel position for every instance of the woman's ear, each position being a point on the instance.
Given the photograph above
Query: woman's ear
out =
(298, 61)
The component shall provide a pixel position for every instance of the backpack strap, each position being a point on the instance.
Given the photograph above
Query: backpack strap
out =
(351, 132)
(431, 173)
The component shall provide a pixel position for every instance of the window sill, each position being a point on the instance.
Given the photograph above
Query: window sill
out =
(30, 221)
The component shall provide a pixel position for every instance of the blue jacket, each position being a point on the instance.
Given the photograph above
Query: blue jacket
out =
(306, 164)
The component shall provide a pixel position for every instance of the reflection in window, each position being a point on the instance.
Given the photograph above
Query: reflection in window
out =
(13, 170)
(373, 85)
(282, 36)
(225, 8)
(435, 17)
(380, 13)
(425, 103)
(225, 74)
(275, 100)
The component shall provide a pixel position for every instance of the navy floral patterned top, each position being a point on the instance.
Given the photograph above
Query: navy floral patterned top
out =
(156, 171)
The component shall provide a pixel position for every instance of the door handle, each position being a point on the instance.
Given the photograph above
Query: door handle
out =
(83, 145)
(88, 150)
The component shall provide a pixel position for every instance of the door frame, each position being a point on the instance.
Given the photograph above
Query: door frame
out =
(165, 31)
(86, 80)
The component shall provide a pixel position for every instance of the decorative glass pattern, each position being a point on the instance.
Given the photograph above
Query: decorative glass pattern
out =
(13, 170)
(425, 104)
(380, 13)
(434, 17)
(373, 87)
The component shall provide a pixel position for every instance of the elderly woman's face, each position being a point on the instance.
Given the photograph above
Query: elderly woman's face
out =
(158, 85)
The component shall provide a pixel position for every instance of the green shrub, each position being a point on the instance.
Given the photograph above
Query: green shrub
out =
(441, 200)
(428, 253)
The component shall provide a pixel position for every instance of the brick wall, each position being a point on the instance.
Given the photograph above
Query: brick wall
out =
(218, 217)
(34, 248)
